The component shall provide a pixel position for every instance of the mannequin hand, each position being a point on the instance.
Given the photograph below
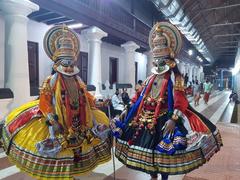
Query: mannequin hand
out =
(51, 119)
(169, 127)
(106, 102)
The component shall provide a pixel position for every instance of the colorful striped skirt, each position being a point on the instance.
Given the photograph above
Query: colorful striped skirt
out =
(22, 151)
(142, 155)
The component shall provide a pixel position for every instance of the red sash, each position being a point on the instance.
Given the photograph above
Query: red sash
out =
(195, 122)
(23, 118)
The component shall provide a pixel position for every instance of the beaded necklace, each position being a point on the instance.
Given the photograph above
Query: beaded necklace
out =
(72, 90)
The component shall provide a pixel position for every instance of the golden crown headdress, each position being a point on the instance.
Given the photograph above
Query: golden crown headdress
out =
(60, 42)
(165, 40)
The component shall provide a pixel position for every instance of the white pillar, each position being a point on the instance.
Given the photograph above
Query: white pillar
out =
(149, 62)
(187, 69)
(196, 73)
(190, 73)
(181, 66)
(130, 48)
(193, 73)
(16, 53)
(200, 74)
(182, 69)
(94, 36)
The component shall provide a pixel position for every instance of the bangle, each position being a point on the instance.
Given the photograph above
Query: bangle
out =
(175, 117)
(48, 123)
(51, 116)
(177, 113)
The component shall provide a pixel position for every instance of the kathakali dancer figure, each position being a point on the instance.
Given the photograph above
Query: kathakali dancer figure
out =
(161, 133)
(63, 134)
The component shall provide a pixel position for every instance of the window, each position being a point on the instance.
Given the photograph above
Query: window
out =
(113, 70)
(33, 68)
(82, 64)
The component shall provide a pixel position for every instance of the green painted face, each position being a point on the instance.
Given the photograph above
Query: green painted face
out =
(161, 68)
(160, 64)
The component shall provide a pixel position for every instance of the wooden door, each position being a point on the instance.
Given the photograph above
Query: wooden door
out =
(82, 64)
(113, 70)
(33, 63)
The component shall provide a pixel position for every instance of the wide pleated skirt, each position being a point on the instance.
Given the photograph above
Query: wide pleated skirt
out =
(22, 150)
(143, 156)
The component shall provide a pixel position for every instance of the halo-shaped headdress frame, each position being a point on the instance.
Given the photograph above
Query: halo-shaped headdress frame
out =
(172, 34)
(52, 37)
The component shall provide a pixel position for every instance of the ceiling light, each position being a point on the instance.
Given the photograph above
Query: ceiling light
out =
(190, 52)
(74, 26)
(199, 58)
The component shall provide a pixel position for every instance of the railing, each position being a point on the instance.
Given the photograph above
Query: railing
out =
(117, 13)
(141, 27)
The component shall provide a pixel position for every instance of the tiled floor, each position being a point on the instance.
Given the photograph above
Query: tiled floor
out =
(223, 166)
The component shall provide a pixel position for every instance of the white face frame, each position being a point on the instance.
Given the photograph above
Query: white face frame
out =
(61, 69)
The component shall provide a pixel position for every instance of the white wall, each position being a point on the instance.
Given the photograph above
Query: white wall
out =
(141, 59)
(109, 50)
(2, 45)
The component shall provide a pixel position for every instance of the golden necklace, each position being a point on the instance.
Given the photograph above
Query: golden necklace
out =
(72, 90)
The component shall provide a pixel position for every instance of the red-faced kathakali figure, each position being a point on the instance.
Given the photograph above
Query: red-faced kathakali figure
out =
(62, 134)
(162, 133)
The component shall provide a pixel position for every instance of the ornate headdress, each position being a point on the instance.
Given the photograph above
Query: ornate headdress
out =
(165, 42)
(62, 46)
